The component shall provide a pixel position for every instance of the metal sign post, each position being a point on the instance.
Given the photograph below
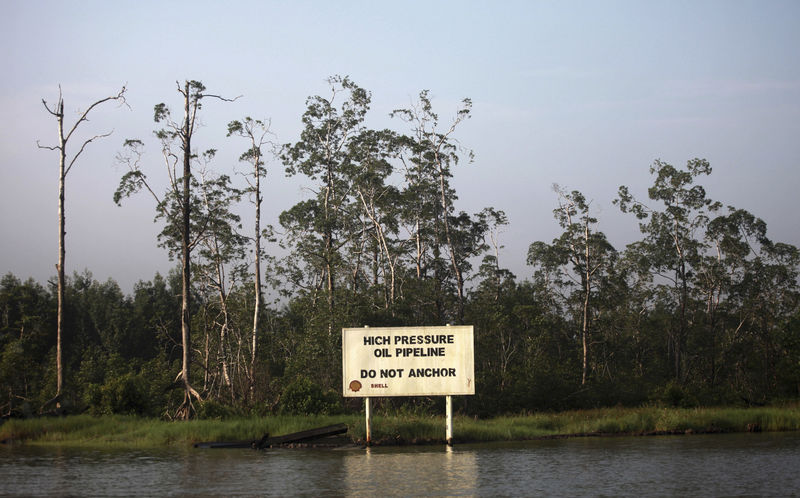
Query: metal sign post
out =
(369, 426)
(449, 423)
(366, 412)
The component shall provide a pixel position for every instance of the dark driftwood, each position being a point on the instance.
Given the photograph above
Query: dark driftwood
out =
(267, 441)
(225, 444)
(299, 437)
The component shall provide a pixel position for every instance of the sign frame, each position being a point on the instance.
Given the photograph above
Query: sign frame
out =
(408, 361)
(434, 343)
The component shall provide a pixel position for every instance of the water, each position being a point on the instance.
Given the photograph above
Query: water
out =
(719, 465)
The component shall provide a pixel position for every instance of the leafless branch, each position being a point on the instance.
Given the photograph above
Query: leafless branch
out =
(120, 96)
(48, 147)
(87, 142)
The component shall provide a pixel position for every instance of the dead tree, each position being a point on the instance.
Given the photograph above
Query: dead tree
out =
(65, 164)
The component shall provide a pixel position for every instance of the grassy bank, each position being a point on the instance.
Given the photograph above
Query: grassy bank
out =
(85, 430)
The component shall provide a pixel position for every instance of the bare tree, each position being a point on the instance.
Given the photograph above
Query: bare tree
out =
(65, 164)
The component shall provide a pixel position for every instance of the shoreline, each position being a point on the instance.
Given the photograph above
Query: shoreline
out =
(131, 431)
(687, 432)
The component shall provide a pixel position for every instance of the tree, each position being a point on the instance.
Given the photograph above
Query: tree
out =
(65, 164)
(370, 154)
(672, 244)
(433, 153)
(220, 253)
(750, 287)
(256, 133)
(490, 269)
(588, 254)
(176, 207)
(492, 307)
(26, 321)
(320, 227)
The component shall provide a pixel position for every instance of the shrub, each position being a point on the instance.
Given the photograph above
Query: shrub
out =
(676, 396)
(126, 394)
(303, 397)
(212, 409)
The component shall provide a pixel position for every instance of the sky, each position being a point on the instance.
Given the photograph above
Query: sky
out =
(583, 94)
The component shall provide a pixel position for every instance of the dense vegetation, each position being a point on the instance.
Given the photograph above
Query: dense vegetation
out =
(703, 309)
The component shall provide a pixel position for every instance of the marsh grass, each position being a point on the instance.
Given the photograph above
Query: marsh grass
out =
(119, 430)
(127, 431)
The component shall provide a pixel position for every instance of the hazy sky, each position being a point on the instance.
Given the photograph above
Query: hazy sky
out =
(584, 94)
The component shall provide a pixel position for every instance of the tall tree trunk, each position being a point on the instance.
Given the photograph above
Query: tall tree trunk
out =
(185, 411)
(330, 196)
(684, 293)
(451, 247)
(587, 291)
(383, 248)
(223, 332)
(61, 253)
(418, 258)
(63, 169)
(255, 131)
(257, 282)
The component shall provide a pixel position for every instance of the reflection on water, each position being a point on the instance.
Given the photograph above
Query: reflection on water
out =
(403, 471)
(719, 465)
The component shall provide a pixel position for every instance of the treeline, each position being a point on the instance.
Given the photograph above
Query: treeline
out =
(703, 309)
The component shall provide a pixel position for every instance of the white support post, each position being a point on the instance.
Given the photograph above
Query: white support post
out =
(449, 417)
(366, 411)
(449, 423)
(369, 428)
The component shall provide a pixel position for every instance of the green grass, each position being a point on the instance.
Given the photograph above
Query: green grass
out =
(127, 431)
(130, 431)
(647, 420)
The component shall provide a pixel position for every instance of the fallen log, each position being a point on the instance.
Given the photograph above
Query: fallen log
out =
(225, 444)
(266, 441)
(302, 436)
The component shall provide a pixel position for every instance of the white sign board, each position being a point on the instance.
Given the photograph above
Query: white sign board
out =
(408, 361)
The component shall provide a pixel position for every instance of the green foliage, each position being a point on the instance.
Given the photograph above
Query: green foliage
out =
(124, 395)
(214, 410)
(703, 309)
(27, 317)
(108, 384)
(676, 396)
(303, 397)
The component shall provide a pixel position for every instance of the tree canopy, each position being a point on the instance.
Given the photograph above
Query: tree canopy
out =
(704, 308)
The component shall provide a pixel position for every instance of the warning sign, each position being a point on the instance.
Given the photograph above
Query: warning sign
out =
(408, 361)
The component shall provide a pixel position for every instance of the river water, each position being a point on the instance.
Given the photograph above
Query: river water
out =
(766, 464)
